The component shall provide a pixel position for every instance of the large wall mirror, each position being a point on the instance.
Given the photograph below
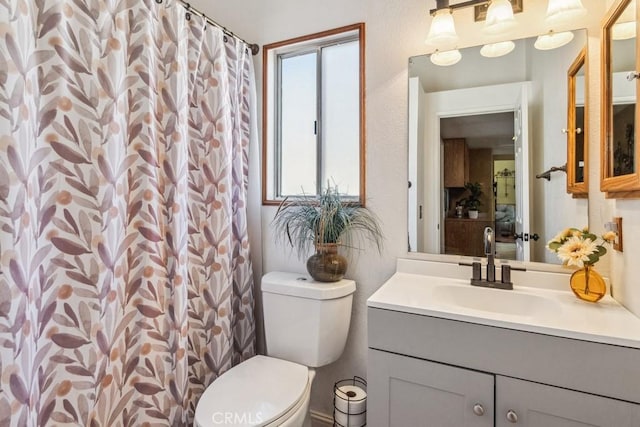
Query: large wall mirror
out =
(620, 175)
(501, 123)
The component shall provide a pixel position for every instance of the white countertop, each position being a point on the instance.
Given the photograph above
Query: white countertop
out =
(531, 309)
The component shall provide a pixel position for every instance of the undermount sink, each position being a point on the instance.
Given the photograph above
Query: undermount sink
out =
(511, 302)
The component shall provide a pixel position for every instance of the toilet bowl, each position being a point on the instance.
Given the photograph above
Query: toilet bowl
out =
(306, 326)
(261, 391)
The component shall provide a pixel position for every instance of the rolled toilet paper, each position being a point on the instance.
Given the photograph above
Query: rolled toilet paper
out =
(351, 406)
(345, 420)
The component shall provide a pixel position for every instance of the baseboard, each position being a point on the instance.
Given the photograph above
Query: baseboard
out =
(318, 419)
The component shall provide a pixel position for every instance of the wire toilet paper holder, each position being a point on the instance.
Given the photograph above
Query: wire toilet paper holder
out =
(351, 399)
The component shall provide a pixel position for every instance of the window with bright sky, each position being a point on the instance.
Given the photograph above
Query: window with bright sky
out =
(313, 109)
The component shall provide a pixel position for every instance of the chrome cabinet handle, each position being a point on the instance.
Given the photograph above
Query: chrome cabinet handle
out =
(478, 409)
(633, 75)
(512, 417)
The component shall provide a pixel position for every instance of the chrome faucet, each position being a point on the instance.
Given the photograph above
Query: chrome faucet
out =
(490, 252)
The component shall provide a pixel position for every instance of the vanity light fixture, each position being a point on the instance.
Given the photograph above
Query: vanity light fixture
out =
(559, 12)
(499, 20)
(442, 33)
(563, 11)
(446, 58)
(495, 50)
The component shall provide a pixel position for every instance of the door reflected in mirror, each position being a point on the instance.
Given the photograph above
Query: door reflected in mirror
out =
(507, 114)
(479, 149)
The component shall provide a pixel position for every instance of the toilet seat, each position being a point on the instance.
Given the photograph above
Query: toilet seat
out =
(257, 392)
(298, 412)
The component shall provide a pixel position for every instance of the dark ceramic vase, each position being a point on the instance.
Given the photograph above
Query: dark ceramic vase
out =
(327, 265)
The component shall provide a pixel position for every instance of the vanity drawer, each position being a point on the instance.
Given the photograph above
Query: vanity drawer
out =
(597, 368)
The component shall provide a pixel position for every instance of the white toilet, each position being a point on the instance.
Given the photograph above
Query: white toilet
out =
(306, 325)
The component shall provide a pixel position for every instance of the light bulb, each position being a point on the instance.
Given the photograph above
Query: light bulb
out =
(446, 58)
(563, 11)
(494, 50)
(442, 33)
(499, 17)
(553, 40)
(623, 30)
(625, 26)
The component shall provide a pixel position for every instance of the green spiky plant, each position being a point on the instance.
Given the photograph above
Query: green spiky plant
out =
(325, 219)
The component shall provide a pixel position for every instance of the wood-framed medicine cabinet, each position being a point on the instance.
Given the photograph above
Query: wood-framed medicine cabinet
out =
(619, 152)
(577, 144)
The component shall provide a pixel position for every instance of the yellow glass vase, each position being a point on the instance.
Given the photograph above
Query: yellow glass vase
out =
(588, 284)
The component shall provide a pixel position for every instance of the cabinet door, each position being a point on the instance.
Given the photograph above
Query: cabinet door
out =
(456, 163)
(404, 391)
(527, 404)
(465, 236)
(456, 232)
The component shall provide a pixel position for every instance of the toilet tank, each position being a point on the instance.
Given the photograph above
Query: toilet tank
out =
(305, 321)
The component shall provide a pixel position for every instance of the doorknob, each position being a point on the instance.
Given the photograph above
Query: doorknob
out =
(526, 236)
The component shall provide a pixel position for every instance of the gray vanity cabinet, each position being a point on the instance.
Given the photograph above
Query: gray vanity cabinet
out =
(431, 372)
(405, 391)
(528, 404)
(414, 392)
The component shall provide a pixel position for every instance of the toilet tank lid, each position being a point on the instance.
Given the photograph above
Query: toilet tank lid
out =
(303, 286)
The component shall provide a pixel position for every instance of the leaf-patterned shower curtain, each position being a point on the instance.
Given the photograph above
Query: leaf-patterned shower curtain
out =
(125, 284)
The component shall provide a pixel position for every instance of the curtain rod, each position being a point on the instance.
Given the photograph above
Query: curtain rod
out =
(255, 48)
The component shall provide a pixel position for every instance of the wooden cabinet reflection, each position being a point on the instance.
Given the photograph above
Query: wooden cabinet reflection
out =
(463, 236)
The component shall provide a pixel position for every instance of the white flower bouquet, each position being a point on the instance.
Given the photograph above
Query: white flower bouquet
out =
(580, 247)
